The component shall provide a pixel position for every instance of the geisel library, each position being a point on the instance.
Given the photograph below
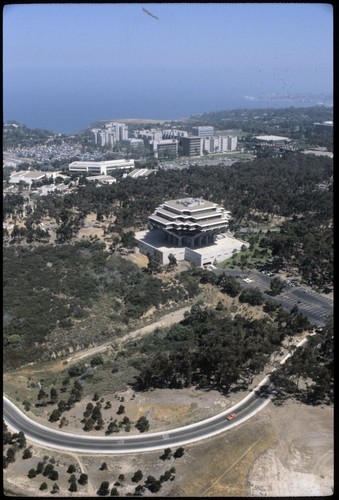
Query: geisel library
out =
(191, 229)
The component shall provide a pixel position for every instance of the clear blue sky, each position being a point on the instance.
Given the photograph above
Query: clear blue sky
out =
(67, 65)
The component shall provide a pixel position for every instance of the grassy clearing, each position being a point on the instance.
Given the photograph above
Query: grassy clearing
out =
(247, 259)
(235, 155)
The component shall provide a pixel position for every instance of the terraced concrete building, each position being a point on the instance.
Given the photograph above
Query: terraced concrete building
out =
(191, 229)
(191, 222)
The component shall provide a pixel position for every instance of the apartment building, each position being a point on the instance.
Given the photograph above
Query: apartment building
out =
(203, 131)
(164, 148)
(150, 135)
(219, 144)
(110, 134)
(191, 146)
(120, 130)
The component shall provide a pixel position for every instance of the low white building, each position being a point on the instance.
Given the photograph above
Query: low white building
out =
(27, 176)
(133, 143)
(154, 243)
(100, 167)
(102, 179)
(53, 188)
(272, 139)
(140, 172)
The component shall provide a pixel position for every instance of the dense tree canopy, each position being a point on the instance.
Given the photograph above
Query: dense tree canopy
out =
(297, 187)
(51, 286)
(209, 348)
(308, 375)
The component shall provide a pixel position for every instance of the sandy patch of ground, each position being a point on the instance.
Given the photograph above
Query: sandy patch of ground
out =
(91, 228)
(285, 482)
(301, 463)
(137, 258)
(87, 232)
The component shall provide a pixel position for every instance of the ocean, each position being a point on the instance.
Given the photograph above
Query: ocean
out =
(69, 114)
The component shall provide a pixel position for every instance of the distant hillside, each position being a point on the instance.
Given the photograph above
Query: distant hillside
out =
(140, 120)
(130, 121)
(296, 123)
(311, 115)
(15, 134)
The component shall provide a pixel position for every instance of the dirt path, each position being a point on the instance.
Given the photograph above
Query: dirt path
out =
(54, 366)
(167, 320)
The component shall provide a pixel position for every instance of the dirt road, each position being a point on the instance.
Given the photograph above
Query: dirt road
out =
(57, 365)
(167, 320)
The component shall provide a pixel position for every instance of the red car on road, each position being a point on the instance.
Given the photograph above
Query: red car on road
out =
(231, 416)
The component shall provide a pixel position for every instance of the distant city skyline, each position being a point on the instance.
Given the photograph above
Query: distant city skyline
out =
(66, 66)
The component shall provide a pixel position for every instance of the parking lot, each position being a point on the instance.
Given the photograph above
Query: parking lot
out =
(188, 162)
(315, 306)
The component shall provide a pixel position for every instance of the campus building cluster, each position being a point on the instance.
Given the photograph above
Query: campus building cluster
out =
(166, 143)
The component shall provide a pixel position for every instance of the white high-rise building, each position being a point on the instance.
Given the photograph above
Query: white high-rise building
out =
(232, 143)
(219, 144)
(210, 144)
(108, 136)
(227, 143)
(120, 130)
(96, 132)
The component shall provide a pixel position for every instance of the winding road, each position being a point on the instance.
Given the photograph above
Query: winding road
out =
(316, 309)
(50, 438)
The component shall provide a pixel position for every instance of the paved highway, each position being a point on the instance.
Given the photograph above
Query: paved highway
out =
(212, 426)
(51, 438)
